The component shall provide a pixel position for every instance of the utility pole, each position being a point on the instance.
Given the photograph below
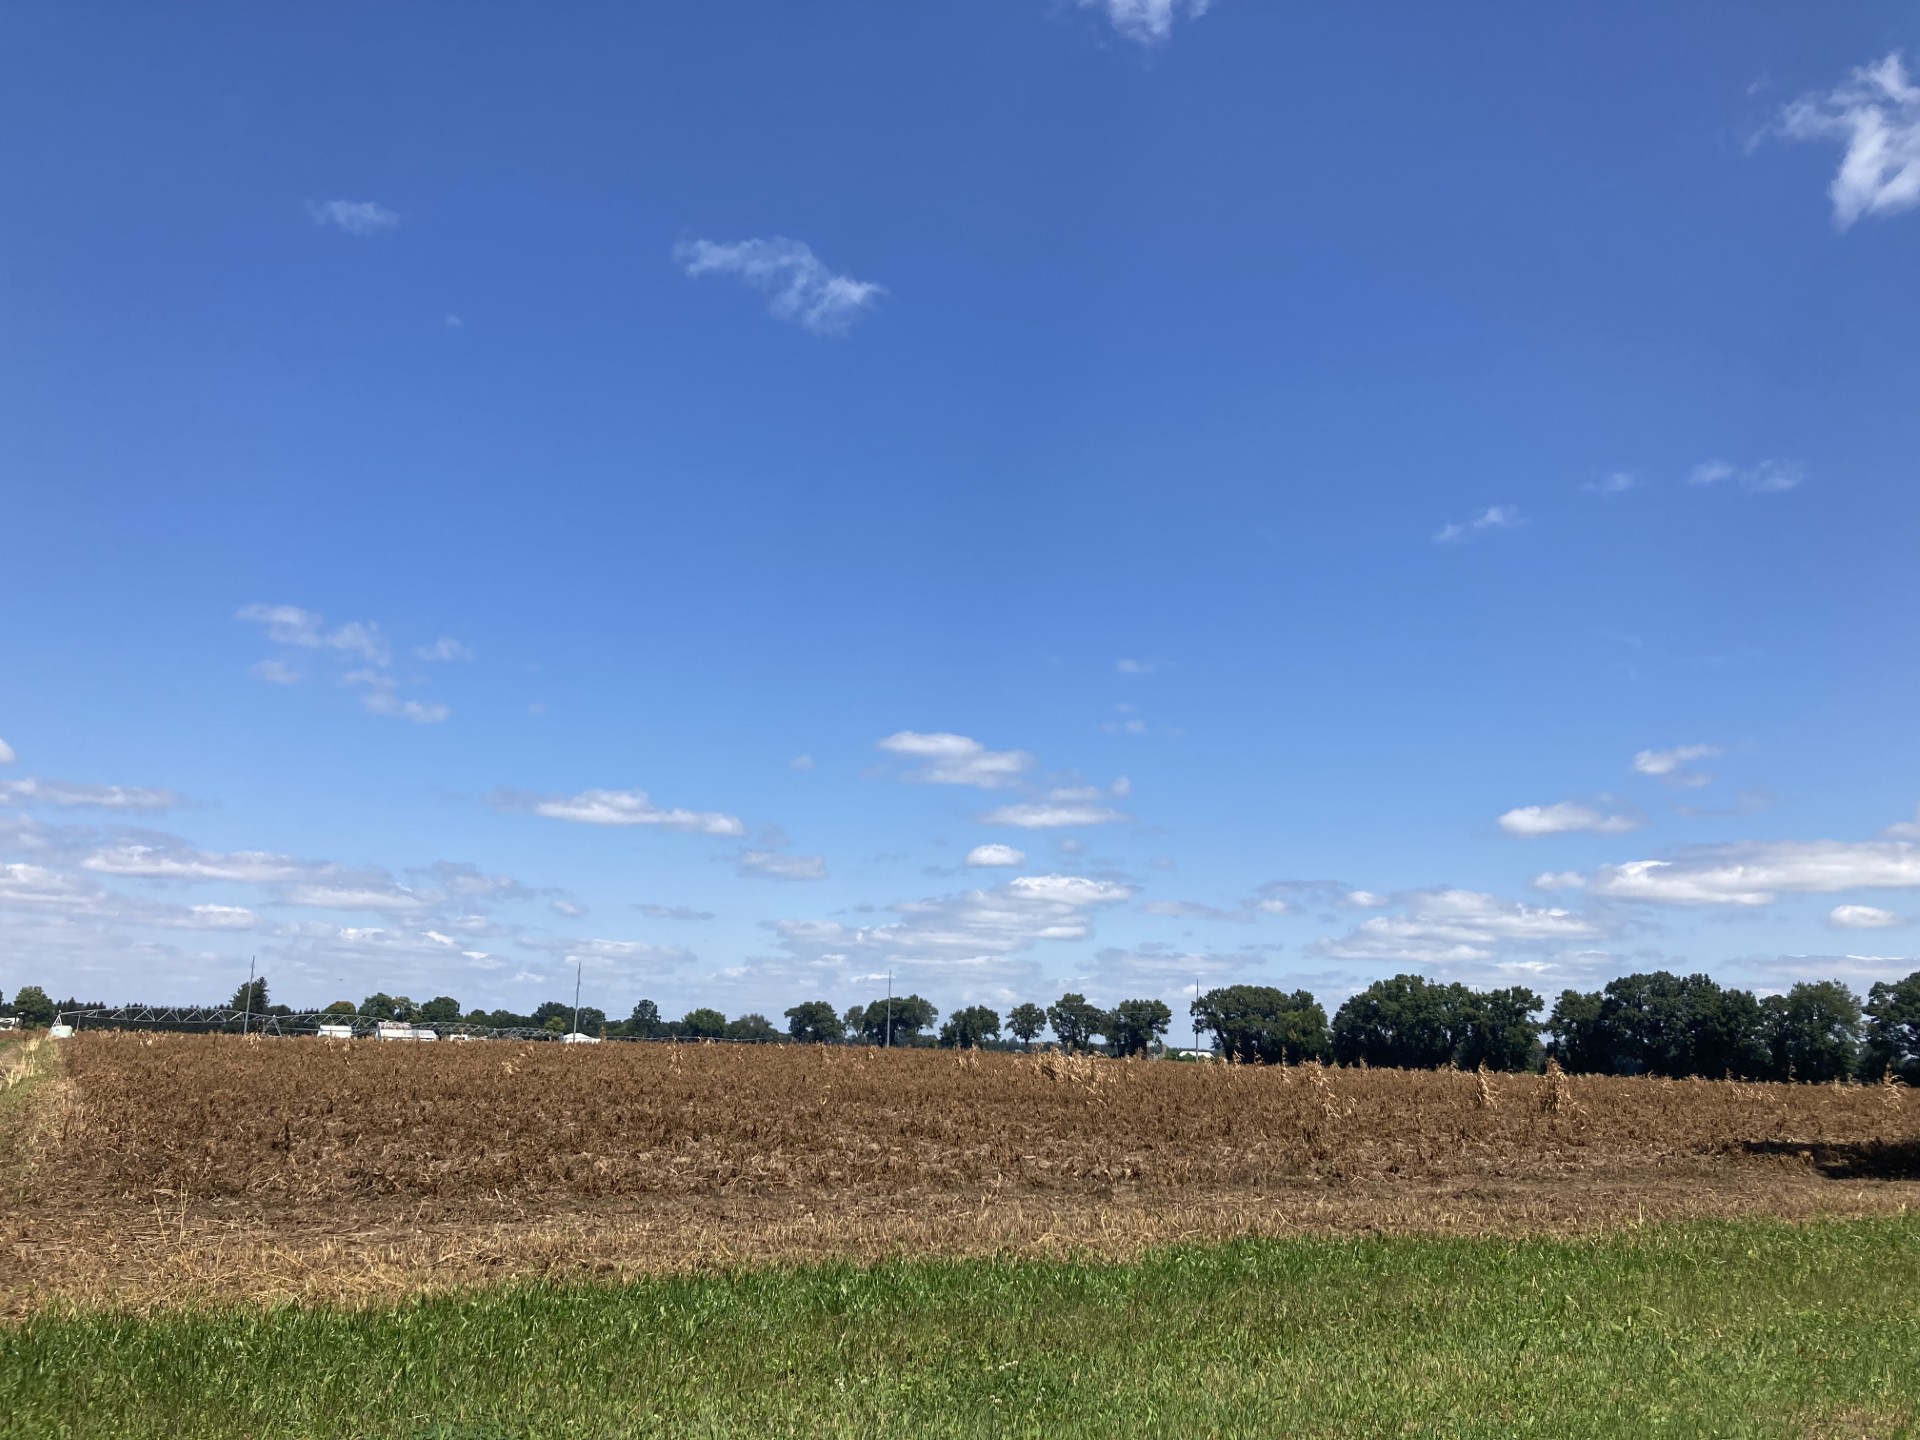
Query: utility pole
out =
(246, 1015)
(578, 965)
(1196, 1013)
(887, 1044)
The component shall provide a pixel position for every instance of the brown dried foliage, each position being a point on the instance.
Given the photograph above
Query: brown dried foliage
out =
(357, 1158)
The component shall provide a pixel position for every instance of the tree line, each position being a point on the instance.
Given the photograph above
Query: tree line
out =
(1654, 1023)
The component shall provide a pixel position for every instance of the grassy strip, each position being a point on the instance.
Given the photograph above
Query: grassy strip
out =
(1709, 1329)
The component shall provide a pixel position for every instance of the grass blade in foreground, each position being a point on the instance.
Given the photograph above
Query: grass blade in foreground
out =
(1710, 1329)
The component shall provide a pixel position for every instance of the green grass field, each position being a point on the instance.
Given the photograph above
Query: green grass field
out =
(1712, 1329)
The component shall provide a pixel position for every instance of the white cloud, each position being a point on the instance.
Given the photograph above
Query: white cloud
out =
(976, 931)
(802, 763)
(1757, 874)
(444, 649)
(1566, 817)
(290, 625)
(1494, 517)
(567, 908)
(6, 753)
(804, 290)
(610, 953)
(1552, 880)
(1768, 477)
(1136, 667)
(1876, 113)
(1057, 811)
(355, 217)
(1618, 483)
(1861, 917)
(380, 695)
(1147, 22)
(622, 807)
(1905, 829)
(1456, 926)
(777, 865)
(275, 672)
(986, 855)
(1669, 765)
(382, 899)
(958, 760)
(154, 862)
(69, 795)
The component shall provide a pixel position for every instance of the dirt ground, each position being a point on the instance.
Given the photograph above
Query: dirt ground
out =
(144, 1170)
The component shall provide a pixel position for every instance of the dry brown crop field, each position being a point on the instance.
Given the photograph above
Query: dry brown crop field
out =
(149, 1169)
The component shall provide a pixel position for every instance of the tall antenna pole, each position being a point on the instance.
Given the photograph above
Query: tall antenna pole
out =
(888, 1044)
(246, 1015)
(578, 965)
(1196, 1012)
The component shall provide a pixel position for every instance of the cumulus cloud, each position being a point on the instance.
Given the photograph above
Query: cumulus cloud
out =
(355, 217)
(778, 865)
(1669, 765)
(1439, 927)
(1758, 873)
(1861, 917)
(1768, 477)
(1875, 114)
(1554, 880)
(1055, 812)
(1147, 22)
(72, 795)
(6, 753)
(802, 288)
(1905, 829)
(1564, 818)
(621, 807)
(1494, 517)
(957, 759)
(1279, 897)
(989, 855)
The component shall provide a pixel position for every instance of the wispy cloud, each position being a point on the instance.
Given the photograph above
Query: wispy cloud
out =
(1457, 926)
(1567, 817)
(673, 912)
(380, 695)
(356, 640)
(802, 288)
(778, 865)
(1768, 477)
(620, 807)
(6, 753)
(1758, 874)
(1618, 483)
(1494, 517)
(445, 649)
(1875, 113)
(73, 795)
(290, 625)
(957, 759)
(1136, 667)
(1670, 765)
(1057, 810)
(355, 217)
(1147, 22)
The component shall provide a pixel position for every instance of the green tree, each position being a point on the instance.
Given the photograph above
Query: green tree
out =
(1813, 1031)
(752, 1027)
(644, 1022)
(35, 1010)
(251, 997)
(339, 1007)
(1893, 1029)
(705, 1023)
(1658, 1023)
(854, 1022)
(592, 1020)
(1136, 1026)
(814, 1022)
(441, 1010)
(379, 1006)
(1263, 1024)
(1578, 1034)
(1498, 1030)
(1025, 1021)
(1076, 1021)
(1407, 1023)
(970, 1028)
(911, 1015)
(548, 1011)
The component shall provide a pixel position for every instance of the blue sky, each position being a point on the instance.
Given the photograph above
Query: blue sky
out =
(1029, 495)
